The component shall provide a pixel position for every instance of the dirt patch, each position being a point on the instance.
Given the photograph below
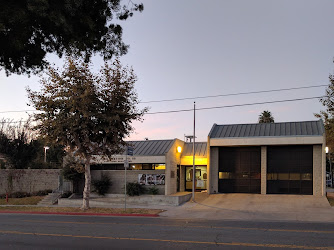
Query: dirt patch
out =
(33, 200)
(78, 210)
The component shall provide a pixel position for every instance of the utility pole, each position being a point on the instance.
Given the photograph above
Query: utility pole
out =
(194, 171)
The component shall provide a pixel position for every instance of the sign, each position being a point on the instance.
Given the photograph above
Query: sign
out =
(130, 151)
(151, 179)
(126, 164)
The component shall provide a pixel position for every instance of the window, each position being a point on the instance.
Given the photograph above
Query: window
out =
(132, 166)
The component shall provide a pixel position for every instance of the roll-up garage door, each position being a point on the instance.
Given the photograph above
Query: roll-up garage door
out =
(239, 170)
(290, 170)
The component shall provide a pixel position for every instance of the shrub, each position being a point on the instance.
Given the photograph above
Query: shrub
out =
(19, 195)
(2, 164)
(102, 186)
(134, 188)
(66, 194)
(153, 190)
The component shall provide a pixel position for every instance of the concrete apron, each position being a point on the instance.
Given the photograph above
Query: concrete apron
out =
(255, 207)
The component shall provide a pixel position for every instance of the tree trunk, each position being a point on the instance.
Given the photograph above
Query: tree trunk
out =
(86, 192)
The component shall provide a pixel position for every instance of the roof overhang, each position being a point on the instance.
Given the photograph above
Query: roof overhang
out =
(119, 159)
(258, 141)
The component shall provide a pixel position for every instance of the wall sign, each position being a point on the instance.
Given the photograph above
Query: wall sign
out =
(151, 179)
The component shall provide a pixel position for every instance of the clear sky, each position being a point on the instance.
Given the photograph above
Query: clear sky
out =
(196, 48)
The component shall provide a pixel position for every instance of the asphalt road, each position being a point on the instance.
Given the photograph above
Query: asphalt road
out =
(26, 231)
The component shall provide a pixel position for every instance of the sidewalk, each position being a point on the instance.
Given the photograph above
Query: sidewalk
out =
(255, 207)
(251, 207)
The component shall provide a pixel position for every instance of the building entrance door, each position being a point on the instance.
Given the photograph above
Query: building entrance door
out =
(200, 180)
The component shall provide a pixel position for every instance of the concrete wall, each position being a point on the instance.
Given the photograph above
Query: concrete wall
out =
(213, 170)
(28, 180)
(117, 179)
(318, 178)
(173, 158)
(182, 178)
(264, 170)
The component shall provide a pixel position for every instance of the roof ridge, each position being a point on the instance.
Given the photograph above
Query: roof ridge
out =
(264, 123)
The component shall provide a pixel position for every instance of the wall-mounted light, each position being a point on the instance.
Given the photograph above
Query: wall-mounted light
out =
(179, 149)
(326, 148)
(45, 148)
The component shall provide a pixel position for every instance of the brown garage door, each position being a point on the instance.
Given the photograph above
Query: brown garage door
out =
(290, 170)
(239, 170)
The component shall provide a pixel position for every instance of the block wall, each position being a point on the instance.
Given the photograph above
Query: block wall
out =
(117, 179)
(28, 180)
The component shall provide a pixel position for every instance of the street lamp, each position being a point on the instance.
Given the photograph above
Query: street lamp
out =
(45, 148)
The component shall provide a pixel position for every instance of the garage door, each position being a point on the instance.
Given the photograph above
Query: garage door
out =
(239, 170)
(290, 170)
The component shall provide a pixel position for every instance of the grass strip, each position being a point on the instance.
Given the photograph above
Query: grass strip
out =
(78, 210)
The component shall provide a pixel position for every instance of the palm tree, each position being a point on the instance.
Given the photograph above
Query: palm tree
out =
(266, 117)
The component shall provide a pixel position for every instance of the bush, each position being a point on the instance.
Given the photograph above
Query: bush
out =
(134, 188)
(102, 186)
(25, 194)
(43, 192)
(153, 190)
(19, 195)
(2, 164)
(66, 194)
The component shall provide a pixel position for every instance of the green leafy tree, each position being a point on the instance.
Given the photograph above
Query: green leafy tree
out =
(31, 29)
(89, 113)
(266, 117)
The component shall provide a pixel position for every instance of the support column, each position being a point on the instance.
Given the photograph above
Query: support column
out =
(213, 170)
(318, 175)
(182, 178)
(264, 170)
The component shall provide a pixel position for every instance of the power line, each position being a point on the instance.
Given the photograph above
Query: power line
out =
(219, 107)
(236, 105)
(234, 94)
(199, 97)
(18, 111)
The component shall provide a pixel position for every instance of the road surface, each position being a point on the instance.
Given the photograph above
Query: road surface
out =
(26, 231)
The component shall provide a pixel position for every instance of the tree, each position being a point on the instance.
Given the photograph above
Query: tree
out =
(31, 29)
(328, 115)
(266, 117)
(89, 113)
(24, 149)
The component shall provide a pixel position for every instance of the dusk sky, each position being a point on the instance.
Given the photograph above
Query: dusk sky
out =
(182, 49)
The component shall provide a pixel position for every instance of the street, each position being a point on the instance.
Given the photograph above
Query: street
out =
(24, 231)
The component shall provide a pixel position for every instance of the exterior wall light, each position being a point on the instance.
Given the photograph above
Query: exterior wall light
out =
(45, 148)
(326, 150)
(179, 149)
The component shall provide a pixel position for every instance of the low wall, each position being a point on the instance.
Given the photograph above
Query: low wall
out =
(117, 200)
(28, 180)
(117, 179)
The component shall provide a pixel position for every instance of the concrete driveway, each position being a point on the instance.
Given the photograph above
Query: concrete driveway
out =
(255, 207)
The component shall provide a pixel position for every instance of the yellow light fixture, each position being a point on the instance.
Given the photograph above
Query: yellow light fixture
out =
(179, 149)
(326, 150)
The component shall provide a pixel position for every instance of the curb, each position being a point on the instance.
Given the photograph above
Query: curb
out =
(73, 213)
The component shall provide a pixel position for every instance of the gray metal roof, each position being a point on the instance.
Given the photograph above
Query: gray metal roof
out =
(151, 147)
(200, 149)
(280, 129)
